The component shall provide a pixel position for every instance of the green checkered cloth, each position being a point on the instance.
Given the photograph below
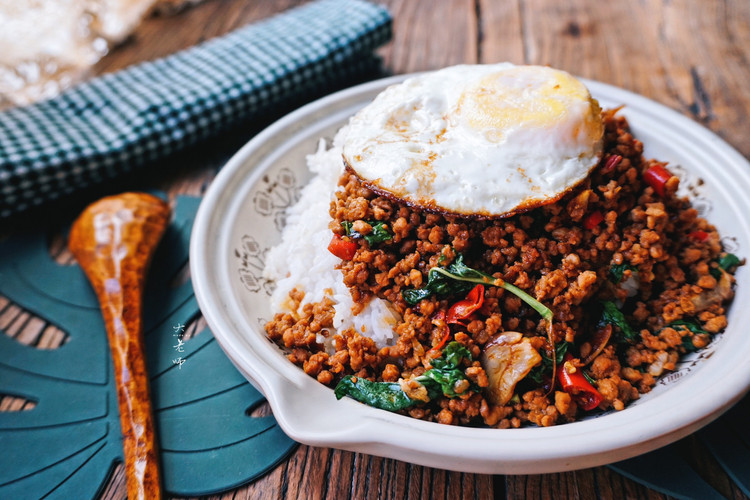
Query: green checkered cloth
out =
(118, 122)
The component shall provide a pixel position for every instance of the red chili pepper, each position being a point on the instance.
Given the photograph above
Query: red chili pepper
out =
(611, 163)
(439, 320)
(442, 342)
(698, 235)
(657, 176)
(465, 308)
(593, 219)
(575, 384)
(343, 248)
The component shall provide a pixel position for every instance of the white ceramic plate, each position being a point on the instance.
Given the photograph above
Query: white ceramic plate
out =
(241, 218)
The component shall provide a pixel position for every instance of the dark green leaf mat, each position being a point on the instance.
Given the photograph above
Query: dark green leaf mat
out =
(67, 445)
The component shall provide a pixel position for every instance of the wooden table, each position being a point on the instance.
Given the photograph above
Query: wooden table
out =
(692, 56)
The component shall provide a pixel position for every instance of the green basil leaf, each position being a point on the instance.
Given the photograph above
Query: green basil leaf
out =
(384, 395)
(728, 261)
(461, 270)
(379, 233)
(442, 381)
(617, 270)
(454, 353)
(687, 342)
(611, 315)
(413, 296)
(437, 284)
(538, 373)
(688, 325)
(561, 350)
(446, 371)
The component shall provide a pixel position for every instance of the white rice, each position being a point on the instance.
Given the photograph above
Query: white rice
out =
(302, 259)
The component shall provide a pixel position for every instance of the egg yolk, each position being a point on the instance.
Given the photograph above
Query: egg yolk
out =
(527, 98)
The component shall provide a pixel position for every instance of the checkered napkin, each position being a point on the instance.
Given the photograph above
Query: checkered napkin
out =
(118, 122)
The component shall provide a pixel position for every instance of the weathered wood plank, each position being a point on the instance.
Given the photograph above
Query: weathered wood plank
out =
(431, 35)
(340, 477)
(691, 56)
(9, 315)
(160, 36)
(500, 31)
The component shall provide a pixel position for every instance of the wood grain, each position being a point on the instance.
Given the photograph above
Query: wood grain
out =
(690, 55)
(417, 26)
(160, 36)
(500, 32)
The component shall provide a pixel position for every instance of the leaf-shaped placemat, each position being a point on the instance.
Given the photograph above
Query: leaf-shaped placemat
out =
(729, 441)
(666, 470)
(67, 445)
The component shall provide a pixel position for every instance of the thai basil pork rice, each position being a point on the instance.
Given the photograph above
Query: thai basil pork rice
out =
(540, 315)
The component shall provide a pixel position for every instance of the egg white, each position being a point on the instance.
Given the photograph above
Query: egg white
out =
(481, 140)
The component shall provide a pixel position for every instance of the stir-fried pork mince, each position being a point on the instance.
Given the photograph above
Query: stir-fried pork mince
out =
(542, 317)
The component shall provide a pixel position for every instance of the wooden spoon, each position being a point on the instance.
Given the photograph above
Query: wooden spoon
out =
(113, 241)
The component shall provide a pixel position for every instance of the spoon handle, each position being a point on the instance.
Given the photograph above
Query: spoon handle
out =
(113, 240)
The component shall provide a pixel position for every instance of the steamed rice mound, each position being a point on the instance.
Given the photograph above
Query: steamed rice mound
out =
(339, 318)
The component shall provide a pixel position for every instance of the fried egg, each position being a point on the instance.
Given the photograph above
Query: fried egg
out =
(477, 140)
